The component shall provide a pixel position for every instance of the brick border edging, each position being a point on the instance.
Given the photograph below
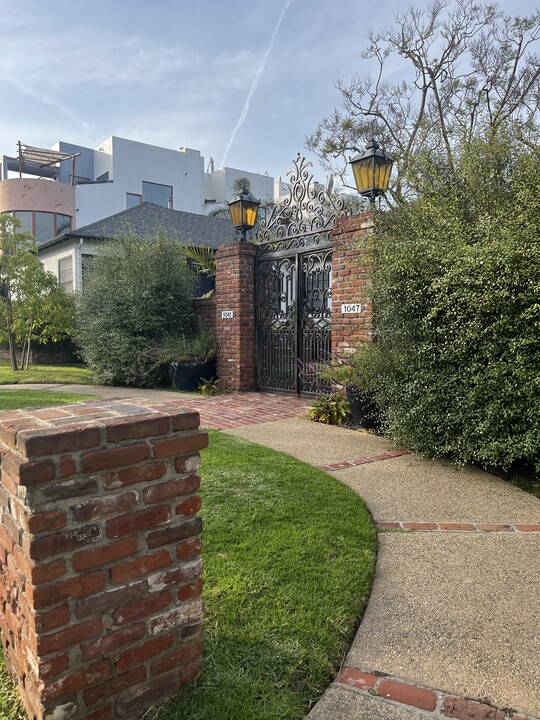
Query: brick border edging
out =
(458, 527)
(434, 703)
(364, 461)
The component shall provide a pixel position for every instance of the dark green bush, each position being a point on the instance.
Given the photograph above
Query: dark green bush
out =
(457, 311)
(137, 292)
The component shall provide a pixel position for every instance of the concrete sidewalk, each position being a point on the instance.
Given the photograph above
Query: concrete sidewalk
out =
(452, 627)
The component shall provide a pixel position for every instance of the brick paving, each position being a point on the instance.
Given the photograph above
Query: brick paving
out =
(434, 703)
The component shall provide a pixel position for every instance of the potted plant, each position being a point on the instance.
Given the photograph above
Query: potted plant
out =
(350, 373)
(190, 359)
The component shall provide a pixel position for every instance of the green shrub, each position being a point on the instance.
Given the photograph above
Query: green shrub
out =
(137, 292)
(330, 409)
(186, 348)
(457, 311)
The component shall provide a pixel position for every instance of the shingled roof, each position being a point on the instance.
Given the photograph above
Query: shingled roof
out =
(147, 218)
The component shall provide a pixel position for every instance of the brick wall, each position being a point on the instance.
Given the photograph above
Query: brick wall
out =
(205, 314)
(235, 336)
(100, 556)
(351, 281)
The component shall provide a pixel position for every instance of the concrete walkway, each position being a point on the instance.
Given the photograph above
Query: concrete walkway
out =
(452, 628)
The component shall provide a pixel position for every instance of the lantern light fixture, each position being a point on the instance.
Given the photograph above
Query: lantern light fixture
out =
(372, 170)
(243, 211)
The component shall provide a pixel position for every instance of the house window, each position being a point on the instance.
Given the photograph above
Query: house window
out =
(158, 194)
(63, 224)
(65, 273)
(86, 265)
(133, 199)
(44, 226)
(25, 218)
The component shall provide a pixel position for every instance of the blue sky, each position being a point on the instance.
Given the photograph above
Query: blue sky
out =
(179, 73)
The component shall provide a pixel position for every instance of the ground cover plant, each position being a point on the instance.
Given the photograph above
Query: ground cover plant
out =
(69, 374)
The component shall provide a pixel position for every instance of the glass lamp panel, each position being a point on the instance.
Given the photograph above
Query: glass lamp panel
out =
(235, 210)
(250, 214)
(363, 175)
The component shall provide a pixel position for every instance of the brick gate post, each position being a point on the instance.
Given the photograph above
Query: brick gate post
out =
(351, 282)
(235, 316)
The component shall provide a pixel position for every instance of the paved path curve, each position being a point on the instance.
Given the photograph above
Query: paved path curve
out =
(452, 627)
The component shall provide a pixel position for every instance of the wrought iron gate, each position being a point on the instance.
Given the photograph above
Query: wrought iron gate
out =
(293, 287)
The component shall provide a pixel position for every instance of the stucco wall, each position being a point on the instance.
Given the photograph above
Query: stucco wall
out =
(37, 194)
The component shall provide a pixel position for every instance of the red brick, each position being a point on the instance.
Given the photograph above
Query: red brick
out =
(52, 620)
(53, 666)
(41, 522)
(78, 680)
(42, 574)
(12, 429)
(470, 710)
(357, 678)
(104, 555)
(141, 609)
(171, 489)
(178, 658)
(73, 588)
(55, 441)
(419, 526)
(388, 525)
(138, 655)
(457, 526)
(110, 599)
(186, 529)
(189, 506)
(29, 473)
(67, 466)
(189, 591)
(186, 421)
(132, 475)
(104, 506)
(528, 528)
(189, 549)
(178, 616)
(143, 695)
(138, 427)
(178, 574)
(97, 460)
(495, 527)
(190, 672)
(104, 713)
(140, 566)
(181, 445)
(108, 688)
(63, 639)
(137, 521)
(62, 542)
(11, 528)
(112, 641)
(407, 694)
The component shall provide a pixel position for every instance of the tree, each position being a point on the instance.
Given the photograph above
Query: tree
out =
(137, 292)
(468, 70)
(33, 306)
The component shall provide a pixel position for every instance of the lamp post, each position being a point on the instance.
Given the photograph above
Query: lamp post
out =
(372, 170)
(243, 210)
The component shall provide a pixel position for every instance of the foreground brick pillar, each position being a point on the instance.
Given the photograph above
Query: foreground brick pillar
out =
(351, 281)
(235, 336)
(100, 584)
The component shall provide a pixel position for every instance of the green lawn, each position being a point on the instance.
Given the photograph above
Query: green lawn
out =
(75, 374)
(13, 399)
(289, 558)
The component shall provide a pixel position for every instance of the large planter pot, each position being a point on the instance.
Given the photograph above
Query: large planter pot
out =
(363, 409)
(187, 375)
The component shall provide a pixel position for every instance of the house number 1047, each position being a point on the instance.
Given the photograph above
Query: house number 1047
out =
(352, 308)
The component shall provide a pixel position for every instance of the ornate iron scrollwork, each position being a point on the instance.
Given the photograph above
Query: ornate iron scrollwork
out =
(302, 219)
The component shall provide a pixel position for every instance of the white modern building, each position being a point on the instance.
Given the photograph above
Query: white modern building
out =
(71, 186)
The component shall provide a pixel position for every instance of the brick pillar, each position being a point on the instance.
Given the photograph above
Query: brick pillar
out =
(351, 281)
(100, 562)
(235, 336)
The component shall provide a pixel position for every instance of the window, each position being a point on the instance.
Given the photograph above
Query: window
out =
(133, 199)
(86, 265)
(158, 194)
(65, 273)
(43, 226)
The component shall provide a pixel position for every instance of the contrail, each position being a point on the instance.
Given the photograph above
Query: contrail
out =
(258, 74)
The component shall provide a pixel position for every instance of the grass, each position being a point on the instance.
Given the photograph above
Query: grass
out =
(13, 399)
(70, 374)
(289, 558)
